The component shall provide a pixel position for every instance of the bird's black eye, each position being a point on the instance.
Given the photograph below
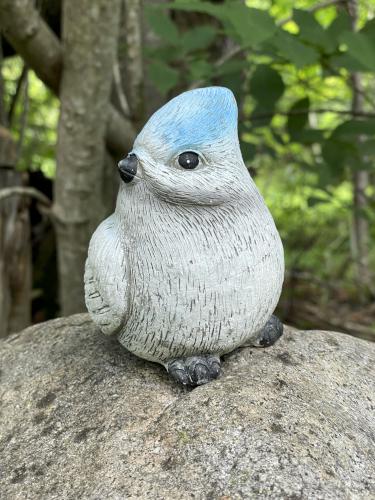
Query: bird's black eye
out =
(188, 160)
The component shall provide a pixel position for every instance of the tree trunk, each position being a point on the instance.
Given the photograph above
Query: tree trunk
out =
(131, 59)
(90, 31)
(41, 50)
(15, 248)
(360, 226)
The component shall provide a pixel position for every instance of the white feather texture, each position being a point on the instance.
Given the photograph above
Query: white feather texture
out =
(191, 262)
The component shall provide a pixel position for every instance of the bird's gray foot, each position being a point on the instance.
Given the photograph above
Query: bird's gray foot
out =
(270, 333)
(196, 370)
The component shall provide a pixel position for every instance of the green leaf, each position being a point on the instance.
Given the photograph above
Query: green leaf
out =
(261, 117)
(348, 62)
(340, 153)
(311, 31)
(312, 201)
(233, 81)
(341, 23)
(166, 53)
(367, 148)
(164, 77)
(351, 144)
(197, 38)
(310, 136)
(369, 30)
(266, 86)
(230, 67)
(162, 25)
(361, 47)
(200, 70)
(289, 47)
(355, 127)
(328, 176)
(298, 118)
(248, 151)
(278, 138)
(253, 26)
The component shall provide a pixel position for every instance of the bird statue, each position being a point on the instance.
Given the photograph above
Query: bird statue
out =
(190, 265)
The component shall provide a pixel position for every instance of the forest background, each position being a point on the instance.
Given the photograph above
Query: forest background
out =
(78, 80)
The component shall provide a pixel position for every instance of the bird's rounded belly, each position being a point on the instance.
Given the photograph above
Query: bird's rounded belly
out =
(203, 303)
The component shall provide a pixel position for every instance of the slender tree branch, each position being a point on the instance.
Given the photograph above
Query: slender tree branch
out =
(360, 226)
(40, 48)
(120, 133)
(16, 94)
(7, 149)
(32, 38)
(131, 34)
(24, 115)
(24, 191)
(119, 89)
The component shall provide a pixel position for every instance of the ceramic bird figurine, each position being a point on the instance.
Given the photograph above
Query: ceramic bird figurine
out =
(190, 266)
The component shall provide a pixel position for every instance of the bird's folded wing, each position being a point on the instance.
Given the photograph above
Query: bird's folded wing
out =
(106, 278)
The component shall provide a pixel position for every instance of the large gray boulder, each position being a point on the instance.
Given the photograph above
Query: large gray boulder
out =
(82, 418)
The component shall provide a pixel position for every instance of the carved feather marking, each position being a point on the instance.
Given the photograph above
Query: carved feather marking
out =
(105, 278)
(191, 262)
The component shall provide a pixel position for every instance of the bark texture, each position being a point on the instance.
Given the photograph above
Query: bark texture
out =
(131, 64)
(32, 38)
(360, 229)
(83, 418)
(90, 32)
(15, 248)
(36, 43)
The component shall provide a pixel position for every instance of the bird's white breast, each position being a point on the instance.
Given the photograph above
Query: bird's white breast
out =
(201, 279)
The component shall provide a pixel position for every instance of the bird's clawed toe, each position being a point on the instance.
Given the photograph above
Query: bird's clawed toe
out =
(271, 332)
(194, 371)
(178, 372)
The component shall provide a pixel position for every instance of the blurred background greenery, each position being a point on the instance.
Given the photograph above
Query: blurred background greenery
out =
(303, 73)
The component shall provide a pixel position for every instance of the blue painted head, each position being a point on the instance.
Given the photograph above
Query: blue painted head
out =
(193, 120)
(201, 124)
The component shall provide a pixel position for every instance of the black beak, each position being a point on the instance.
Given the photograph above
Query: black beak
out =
(128, 167)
